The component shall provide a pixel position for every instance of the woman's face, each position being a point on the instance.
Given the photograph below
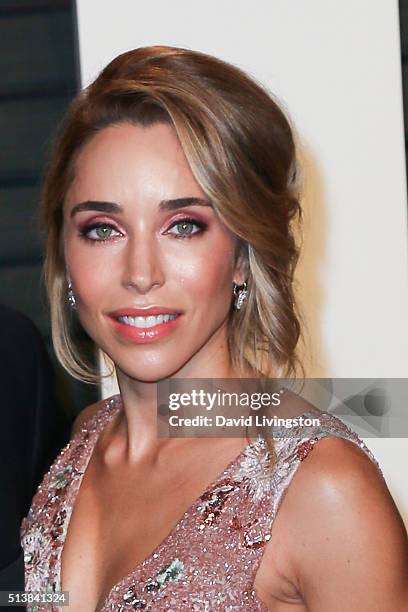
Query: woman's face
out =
(139, 233)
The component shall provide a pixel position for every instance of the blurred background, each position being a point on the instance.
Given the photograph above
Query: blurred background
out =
(39, 76)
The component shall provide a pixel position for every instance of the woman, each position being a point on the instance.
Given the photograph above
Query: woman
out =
(170, 204)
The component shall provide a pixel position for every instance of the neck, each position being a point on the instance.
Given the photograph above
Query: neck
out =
(137, 438)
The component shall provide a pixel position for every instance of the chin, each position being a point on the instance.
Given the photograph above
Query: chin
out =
(148, 373)
(151, 363)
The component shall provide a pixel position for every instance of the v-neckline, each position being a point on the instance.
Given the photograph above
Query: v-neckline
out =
(108, 411)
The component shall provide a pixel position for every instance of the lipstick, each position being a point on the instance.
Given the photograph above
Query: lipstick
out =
(143, 312)
(145, 325)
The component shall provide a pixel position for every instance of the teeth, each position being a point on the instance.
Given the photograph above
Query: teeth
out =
(145, 322)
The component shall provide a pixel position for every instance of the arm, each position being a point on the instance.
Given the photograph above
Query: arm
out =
(353, 551)
(347, 545)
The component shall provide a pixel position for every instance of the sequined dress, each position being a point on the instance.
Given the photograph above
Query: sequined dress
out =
(209, 560)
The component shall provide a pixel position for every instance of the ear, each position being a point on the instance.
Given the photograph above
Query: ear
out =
(241, 270)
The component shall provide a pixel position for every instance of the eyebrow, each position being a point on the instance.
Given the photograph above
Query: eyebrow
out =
(112, 207)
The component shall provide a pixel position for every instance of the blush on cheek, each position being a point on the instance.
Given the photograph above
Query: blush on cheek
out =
(90, 276)
(218, 275)
(206, 281)
(215, 292)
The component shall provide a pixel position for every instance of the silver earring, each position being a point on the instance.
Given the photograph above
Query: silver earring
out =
(71, 297)
(240, 292)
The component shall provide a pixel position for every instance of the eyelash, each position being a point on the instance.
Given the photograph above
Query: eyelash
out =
(83, 233)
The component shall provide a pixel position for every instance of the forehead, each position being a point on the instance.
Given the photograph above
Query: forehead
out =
(125, 160)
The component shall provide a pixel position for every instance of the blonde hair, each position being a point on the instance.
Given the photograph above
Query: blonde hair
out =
(241, 150)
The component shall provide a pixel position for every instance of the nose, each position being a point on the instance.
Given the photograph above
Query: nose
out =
(142, 267)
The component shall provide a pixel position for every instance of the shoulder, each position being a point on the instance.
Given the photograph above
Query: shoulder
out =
(20, 337)
(86, 415)
(340, 524)
(17, 326)
(13, 317)
(337, 470)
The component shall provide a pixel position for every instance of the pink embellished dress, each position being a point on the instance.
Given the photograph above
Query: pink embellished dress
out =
(209, 560)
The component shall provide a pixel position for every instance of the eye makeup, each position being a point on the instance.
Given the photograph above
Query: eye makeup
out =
(94, 226)
(202, 227)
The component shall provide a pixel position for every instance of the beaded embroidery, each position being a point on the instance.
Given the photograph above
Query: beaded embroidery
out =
(305, 447)
(210, 558)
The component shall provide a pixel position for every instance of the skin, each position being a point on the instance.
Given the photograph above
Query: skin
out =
(141, 262)
(144, 263)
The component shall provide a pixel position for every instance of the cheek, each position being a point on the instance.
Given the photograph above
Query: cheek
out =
(89, 272)
(207, 277)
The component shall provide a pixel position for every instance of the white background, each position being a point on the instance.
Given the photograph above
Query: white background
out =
(335, 66)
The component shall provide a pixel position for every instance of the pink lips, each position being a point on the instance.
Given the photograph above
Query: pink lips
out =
(142, 336)
(142, 312)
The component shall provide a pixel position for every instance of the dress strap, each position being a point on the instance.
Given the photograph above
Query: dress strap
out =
(294, 449)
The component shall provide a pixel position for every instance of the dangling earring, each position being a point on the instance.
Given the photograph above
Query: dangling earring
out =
(71, 297)
(240, 292)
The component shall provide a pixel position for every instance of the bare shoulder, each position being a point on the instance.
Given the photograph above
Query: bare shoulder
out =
(84, 416)
(338, 475)
(339, 523)
(337, 470)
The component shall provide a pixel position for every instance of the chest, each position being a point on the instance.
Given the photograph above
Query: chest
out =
(113, 531)
(133, 533)
(117, 523)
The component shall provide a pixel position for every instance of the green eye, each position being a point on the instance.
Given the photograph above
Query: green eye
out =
(103, 232)
(100, 233)
(185, 224)
(187, 228)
